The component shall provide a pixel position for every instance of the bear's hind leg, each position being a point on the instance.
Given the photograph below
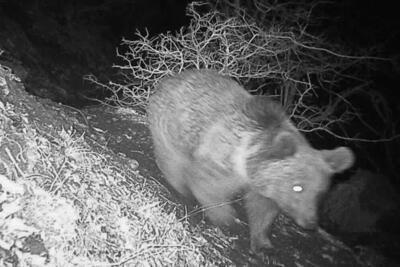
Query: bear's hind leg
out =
(171, 165)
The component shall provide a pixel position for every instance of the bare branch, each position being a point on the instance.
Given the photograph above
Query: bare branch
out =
(277, 57)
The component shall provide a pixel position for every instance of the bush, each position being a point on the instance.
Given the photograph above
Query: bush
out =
(272, 54)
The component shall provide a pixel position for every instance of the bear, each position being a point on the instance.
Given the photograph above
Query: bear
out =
(212, 140)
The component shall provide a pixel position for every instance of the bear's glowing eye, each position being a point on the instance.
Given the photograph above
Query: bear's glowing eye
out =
(297, 188)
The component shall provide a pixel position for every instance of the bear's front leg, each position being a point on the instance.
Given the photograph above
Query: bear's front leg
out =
(216, 206)
(261, 212)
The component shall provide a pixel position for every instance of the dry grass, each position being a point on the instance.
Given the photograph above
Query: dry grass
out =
(65, 203)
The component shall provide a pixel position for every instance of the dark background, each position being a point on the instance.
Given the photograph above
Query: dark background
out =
(65, 30)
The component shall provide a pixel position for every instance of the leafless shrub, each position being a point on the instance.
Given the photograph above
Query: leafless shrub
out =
(277, 57)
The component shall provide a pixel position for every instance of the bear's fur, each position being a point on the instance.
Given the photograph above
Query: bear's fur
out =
(212, 139)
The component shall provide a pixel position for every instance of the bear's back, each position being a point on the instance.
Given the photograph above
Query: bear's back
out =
(193, 101)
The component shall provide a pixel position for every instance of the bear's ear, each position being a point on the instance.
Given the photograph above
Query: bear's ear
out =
(284, 145)
(339, 159)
